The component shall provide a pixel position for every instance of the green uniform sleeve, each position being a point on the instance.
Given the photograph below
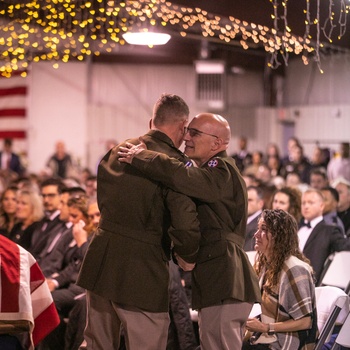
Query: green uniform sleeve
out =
(205, 183)
(184, 229)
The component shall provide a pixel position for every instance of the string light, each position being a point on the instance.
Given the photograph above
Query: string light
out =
(64, 30)
(310, 45)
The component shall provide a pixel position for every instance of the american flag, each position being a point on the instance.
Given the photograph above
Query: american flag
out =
(13, 93)
(24, 293)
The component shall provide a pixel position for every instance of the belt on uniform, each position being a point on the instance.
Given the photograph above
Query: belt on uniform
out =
(150, 237)
(212, 235)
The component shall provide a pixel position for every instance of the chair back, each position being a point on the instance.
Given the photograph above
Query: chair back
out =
(343, 337)
(338, 271)
(332, 305)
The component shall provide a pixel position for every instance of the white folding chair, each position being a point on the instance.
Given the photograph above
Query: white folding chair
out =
(332, 305)
(338, 271)
(343, 338)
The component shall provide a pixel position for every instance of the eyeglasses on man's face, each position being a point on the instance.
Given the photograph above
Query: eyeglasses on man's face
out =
(195, 132)
(49, 195)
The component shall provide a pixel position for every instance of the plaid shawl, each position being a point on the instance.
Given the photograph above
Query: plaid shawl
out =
(294, 298)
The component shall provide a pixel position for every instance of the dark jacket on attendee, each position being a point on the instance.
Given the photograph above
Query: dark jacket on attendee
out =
(323, 241)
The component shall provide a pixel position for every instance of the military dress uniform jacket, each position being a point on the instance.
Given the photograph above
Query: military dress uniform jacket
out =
(127, 260)
(223, 269)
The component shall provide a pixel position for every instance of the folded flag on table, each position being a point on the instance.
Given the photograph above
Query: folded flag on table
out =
(24, 293)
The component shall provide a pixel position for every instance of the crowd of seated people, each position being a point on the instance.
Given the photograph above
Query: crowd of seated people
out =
(320, 206)
(51, 221)
(49, 216)
(54, 219)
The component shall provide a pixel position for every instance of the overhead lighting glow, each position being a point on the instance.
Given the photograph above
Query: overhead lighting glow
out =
(146, 38)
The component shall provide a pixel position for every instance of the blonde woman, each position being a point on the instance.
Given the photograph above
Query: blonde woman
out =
(29, 212)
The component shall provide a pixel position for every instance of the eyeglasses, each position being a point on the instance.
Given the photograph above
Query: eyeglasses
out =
(49, 195)
(195, 132)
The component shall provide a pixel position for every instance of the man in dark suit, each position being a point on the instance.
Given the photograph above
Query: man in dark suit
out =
(57, 253)
(51, 225)
(255, 206)
(125, 270)
(9, 161)
(224, 284)
(317, 240)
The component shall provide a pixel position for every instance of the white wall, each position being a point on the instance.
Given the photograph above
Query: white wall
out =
(57, 110)
(86, 104)
(319, 104)
(305, 85)
(122, 97)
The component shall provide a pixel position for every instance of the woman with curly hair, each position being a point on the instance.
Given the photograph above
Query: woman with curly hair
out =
(289, 200)
(288, 317)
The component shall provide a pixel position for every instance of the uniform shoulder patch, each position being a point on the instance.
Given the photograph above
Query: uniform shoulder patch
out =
(213, 163)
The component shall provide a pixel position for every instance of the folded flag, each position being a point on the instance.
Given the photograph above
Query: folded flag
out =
(24, 293)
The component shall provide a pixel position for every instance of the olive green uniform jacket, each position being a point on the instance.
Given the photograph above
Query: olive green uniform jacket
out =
(127, 260)
(223, 269)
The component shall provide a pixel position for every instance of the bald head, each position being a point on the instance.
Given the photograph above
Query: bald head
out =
(217, 125)
(208, 134)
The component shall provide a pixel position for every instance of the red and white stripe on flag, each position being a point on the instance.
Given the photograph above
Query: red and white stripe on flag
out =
(13, 93)
(24, 293)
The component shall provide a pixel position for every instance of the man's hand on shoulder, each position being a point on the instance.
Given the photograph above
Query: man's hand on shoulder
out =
(127, 153)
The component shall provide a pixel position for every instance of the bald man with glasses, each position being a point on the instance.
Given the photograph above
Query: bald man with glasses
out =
(224, 284)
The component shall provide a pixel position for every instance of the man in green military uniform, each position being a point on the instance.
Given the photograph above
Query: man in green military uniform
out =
(125, 270)
(224, 285)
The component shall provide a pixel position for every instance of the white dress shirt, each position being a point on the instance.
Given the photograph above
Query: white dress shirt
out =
(305, 232)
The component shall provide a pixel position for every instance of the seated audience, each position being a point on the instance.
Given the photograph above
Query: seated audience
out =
(339, 165)
(343, 188)
(243, 158)
(318, 178)
(62, 283)
(51, 225)
(91, 186)
(293, 180)
(298, 163)
(274, 165)
(330, 215)
(8, 205)
(320, 158)
(292, 142)
(289, 200)
(255, 206)
(257, 161)
(57, 254)
(29, 212)
(272, 150)
(288, 317)
(317, 240)
(74, 333)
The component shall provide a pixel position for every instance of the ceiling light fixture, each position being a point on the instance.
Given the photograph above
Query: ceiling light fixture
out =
(146, 38)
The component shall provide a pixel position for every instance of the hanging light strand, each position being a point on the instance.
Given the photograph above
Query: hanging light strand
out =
(64, 30)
